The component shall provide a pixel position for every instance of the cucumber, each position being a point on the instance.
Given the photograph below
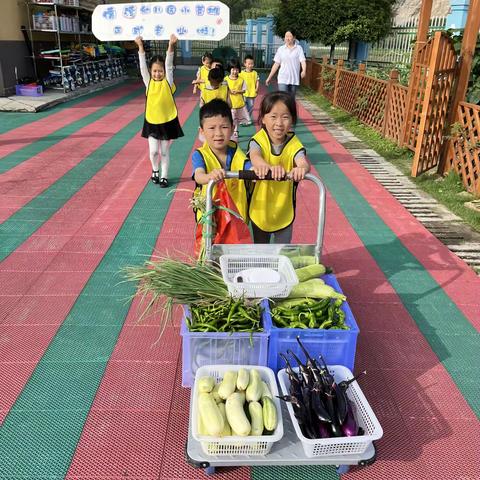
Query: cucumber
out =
(211, 417)
(228, 384)
(270, 419)
(254, 390)
(242, 379)
(256, 417)
(236, 415)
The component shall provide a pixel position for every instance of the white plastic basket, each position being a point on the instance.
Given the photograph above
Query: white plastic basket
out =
(338, 445)
(235, 445)
(232, 264)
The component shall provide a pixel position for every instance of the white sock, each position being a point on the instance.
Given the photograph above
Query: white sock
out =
(165, 160)
(153, 151)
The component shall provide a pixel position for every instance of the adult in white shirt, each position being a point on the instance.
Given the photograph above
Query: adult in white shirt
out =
(289, 59)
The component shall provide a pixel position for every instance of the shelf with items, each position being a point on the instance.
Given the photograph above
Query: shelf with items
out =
(76, 61)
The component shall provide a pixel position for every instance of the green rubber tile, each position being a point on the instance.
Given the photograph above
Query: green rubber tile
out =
(303, 472)
(12, 120)
(77, 382)
(10, 161)
(423, 297)
(95, 311)
(46, 439)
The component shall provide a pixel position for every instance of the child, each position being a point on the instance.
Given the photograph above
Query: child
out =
(202, 72)
(277, 149)
(215, 88)
(252, 81)
(161, 117)
(236, 88)
(210, 162)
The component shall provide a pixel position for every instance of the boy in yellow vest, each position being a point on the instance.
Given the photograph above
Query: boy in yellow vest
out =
(210, 162)
(215, 88)
(252, 82)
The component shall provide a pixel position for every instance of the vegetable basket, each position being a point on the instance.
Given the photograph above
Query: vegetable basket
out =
(364, 416)
(235, 445)
(232, 264)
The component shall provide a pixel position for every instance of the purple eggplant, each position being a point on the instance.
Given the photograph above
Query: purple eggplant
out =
(311, 363)
(350, 426)
(317, 404)
(304, 371)
(301, 414)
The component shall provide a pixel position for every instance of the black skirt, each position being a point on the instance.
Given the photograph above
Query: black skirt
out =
(162, 131)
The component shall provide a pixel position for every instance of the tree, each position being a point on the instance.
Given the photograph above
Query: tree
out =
(237, 7)
(261, 8)
(334, 21)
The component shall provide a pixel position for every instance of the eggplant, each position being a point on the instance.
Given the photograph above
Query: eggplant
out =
(335, 427)
(295, 382)
(301, 415)
(304, 371)
(346, 383)
(318, 407)
(311, 363)
(350, 427)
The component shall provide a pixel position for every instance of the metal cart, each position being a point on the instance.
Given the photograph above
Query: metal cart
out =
(289, 450)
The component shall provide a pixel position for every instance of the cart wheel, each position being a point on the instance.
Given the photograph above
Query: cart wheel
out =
(209, 470)
(341, 469)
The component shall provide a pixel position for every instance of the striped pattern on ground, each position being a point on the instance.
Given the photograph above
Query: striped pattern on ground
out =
(103, 403)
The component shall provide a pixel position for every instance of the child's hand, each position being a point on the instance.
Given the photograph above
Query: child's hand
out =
(278, 172)
(217, 175)
(139, 41)
(261, 171)
(173, 39)
(297, 173)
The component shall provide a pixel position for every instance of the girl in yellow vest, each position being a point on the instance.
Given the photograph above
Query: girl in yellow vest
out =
(277, 149)
(210, 162)
(202, 73)
(161, 117)
(237, 87)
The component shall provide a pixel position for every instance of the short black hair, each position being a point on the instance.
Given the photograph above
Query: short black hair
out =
(215, 75)
(272, 98)
(234, 63)
(215, 108)
(207, 55)
(220, 65)
(248, 57)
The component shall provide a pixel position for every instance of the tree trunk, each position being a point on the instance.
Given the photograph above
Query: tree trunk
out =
(352, 51)
(332, 52)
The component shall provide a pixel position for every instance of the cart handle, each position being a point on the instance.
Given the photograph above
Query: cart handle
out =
(250, 175)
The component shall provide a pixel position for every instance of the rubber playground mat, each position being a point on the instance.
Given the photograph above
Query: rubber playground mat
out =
(87, 391)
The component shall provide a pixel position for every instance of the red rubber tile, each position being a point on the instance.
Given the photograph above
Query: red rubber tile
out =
(136, 386)
(35, 130)
(120, 444)
(24, 176)
(141, 344)
(26, 262)
(428, 394)
(60, 283)
(449, 450)
(24, 343)
(37, 309)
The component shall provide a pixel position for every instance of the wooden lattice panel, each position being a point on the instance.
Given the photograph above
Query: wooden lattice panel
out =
(464, 148)
(431, 129)
(347, 90)
(328, 81)
(370, 104)
(396, 112)
(415, 97)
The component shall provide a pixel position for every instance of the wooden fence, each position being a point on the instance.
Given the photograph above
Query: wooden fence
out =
(463, 152)
(377, 103)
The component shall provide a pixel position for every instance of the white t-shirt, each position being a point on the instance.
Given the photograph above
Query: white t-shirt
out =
(289, 60)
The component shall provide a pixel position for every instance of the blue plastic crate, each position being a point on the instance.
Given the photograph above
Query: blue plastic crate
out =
(337, 346)
(212, 348)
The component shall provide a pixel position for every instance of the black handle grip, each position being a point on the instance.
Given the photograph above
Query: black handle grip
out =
(251, 175)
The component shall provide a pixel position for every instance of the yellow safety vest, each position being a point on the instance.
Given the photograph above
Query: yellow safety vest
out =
(203, 76)
(272, 203)
(160, 105)
(237, 99)
(209, 94)
(236, 188)
(251, 82)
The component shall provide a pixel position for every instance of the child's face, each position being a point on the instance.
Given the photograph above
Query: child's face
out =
(158, 71)
(249, 65)
(207, 62)
(278, 122)
(234, 72)
(217, 132)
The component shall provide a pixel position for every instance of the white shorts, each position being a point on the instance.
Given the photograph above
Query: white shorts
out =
(240, 115)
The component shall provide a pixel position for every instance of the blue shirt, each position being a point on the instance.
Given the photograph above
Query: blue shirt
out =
(198, 162)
